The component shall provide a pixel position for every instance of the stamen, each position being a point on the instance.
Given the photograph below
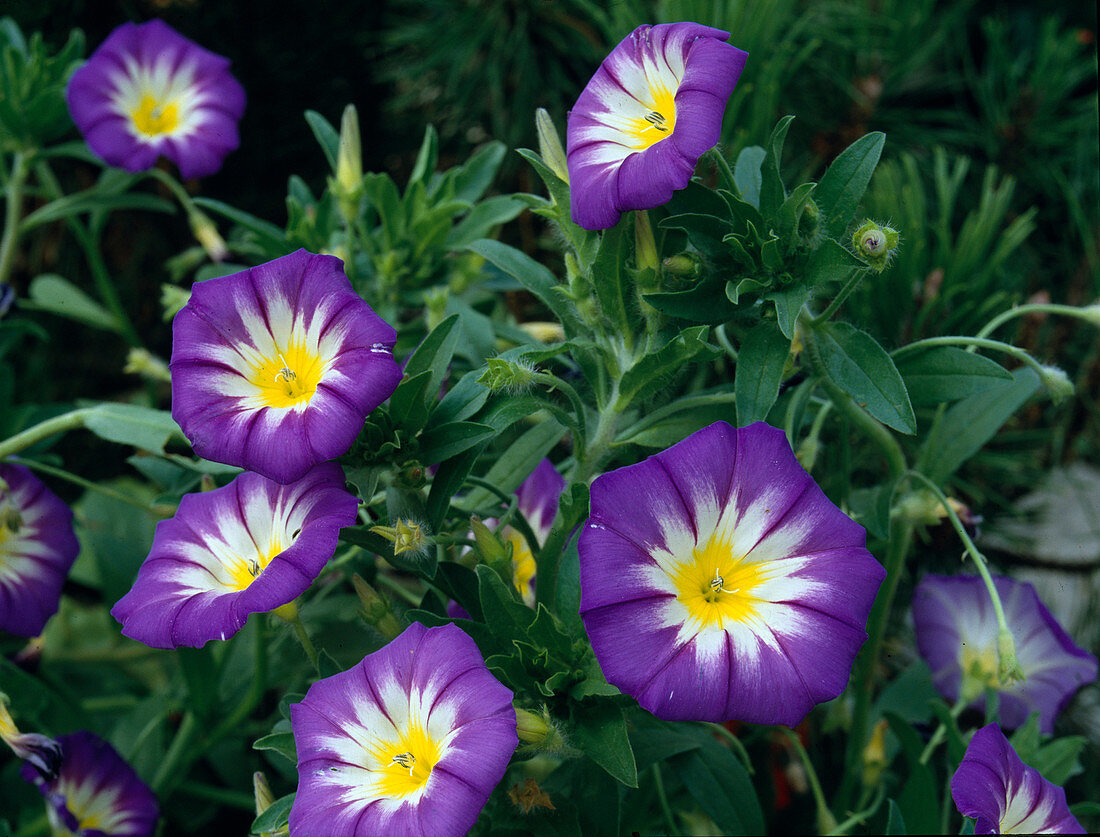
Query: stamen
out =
(717, 582)
(404, 760)
(657, 121)
(285, 373)
(253, 567)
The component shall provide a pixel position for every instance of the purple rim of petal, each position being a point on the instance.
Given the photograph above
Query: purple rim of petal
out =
(90, 761)
(990, 771)
(162, 612)
(601, 189)
(444, 666)
(219, 101)
(281, 444)
(538, 497)
(951, 610)
(44, 549)
(773, 669)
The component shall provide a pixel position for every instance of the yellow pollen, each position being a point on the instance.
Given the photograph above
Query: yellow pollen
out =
(246, 570)
(716, 585)
(979, 668)
(404, 765)
(289, 377)
(658, 121)
(152, 117)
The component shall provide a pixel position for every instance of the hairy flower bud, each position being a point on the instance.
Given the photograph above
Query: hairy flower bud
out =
(682, 264)
(876, 244)
(405, 535)
(1008, 670)
(550, 148)
(506, 374)
(1057, 383)
(206, 233)
(348, 185)
(376, 609)
(145, 363)
(538, 731)
(261, 792)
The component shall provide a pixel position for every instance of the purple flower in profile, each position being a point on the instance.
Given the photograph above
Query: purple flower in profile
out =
(149, 92)
(411, 740)
(957, 629)
(37, 548)
(275, 368)
(719, 583)
(96, 793)
(249, 547)
(40, 751)
(1004, 795)
(653, 107)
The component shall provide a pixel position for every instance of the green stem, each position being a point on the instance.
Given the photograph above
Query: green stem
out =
(175, 187)
(662, 799)
(409, 597)
(575, 402)
(735, 745)
(13, 198)
(977, 343)
(860, 816)
(591, 457)
(826, 822)
(60, 473)
(941, 730)
(173, 760)
(43, 430)
(307, 643)
(838, 300)
(724, 341)
(876, 432)
(1036, 308)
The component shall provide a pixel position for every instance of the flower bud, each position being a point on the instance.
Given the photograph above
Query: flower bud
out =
(538, 731)
(349, 165)
(506, 374)
(1090, 313)
(682, 264)
(550, 145)
(1057, 383)
(206, 232)
(876, 244)
(492, 549)
(645, 246)
(261, 792)
(405, 535)
(874, 755)
(206, 483)
(40, 751)
(1008, 669)
(376, 609)
(145, 363)
(544, 332)
(172, 299)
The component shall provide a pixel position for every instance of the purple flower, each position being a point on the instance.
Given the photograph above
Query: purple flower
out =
(653, 107)
(249, 547)
(1004, 795)
(410, 741)
(718, 582)
(957, 630)
(147, 92)
(40, 751)
(95, 793)
(7, 299)
(275, 368)
(37, 548)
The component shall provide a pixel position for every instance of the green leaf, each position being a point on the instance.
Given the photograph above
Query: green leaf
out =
(654, 741)
(895, 823)
(760, 363)
(830, 262)
(93, 200)
(609, 276)
(442, 442)
(424, 167)
(747, 285)
(129, 424)
(60, 296)
(687, 346)
(601, 733)
(463, 400)
(281, 743)
(533, 276)
(516, 463)
(788, 303)
(947, 373)
(382, 193)
(327, 136)
(1060, 760)
(583, 241)
(842, 186)
(408, 406)
(434, 354)
(507, 617)
(660, 426)
(790, 213)
(483, 219)
(272, 239)
(772, 191)
(746, 173)
(705, 303)
(970, 423)
(919, 798)
(860, 366)
(275, 817)
(721, 785)
(475, 176)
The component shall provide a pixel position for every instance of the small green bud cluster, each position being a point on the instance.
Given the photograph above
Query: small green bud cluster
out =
(377, 610)
(501, 374)
(876, 244)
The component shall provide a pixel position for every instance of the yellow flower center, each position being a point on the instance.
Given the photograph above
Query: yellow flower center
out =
(288, 377)
(658, 122)
(247, 569)
(152, 117)
(523, 564)
(404, 765)
(717, 585)
(980, 668)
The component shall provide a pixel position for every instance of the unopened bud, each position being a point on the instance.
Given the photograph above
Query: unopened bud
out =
(261, 792)
(172, 299)
(810, 222)
(376, 609)
(502, 374)
(492, 549)
(40, 751)
(538, 731)
(206, 232)
(1008, 669)
(206, 483)
(544, 332)
(1057, 383)
(550, 145)
(645, 246)
(145, 363)
(435, 305)
(683, 264)
(876, 244)
(1090, 313)
(405, 535)
(349, 165)
(874, 755)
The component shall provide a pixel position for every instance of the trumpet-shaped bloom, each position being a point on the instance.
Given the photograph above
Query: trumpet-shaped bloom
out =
(95, 793)
(1004, 795)
(718, 582)
(957, 629)
(249, 547)
(149, 92)
(653, 107)
(275, 368)
(37, 548)
(410, 741)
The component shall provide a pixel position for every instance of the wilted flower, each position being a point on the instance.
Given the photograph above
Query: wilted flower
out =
(1004, 795)
(149, 92)
(411, 740)
(653, 107)
(718, 582)
(96, 792)
(40, 751)
(37, 548)
(957, 630)
(249, 547)
(275, 368)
